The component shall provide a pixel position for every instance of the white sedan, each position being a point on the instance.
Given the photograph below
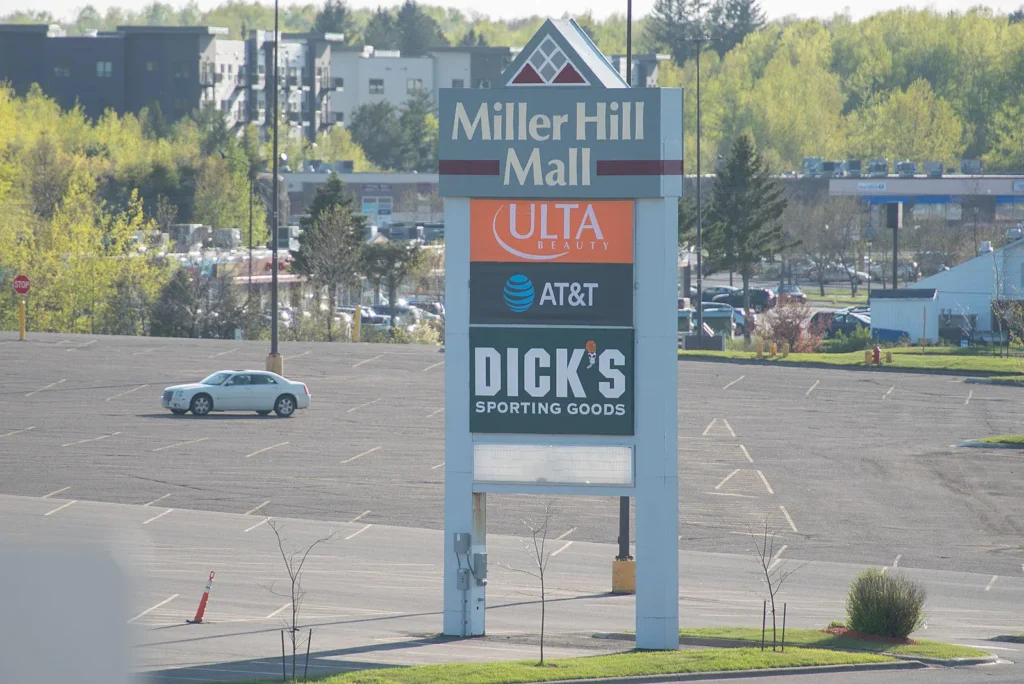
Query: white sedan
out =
(242, 390)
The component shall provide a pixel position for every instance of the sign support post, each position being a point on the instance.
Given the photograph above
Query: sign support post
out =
(561, 189)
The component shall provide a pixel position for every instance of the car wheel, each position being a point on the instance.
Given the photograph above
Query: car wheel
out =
(285, 406)
(263, 413)
(201, 405)
(179, 412)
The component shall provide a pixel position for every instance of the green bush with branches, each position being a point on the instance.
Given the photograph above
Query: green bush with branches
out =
(885, 605)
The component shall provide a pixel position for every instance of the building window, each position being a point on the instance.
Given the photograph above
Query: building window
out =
(62, 69)
(340, 116)
(376, 86)
(339, 82)
(152, 66)
(225, 105)
(104, 69)
(458, 83)
(181, 70)
(413, 84)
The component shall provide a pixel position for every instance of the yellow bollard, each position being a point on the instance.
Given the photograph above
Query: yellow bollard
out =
(773, 350)
(623, 576)
(357, 322)
(888, 357)
(21, 321)
(785, 349)
(759, 347)
(867, 357)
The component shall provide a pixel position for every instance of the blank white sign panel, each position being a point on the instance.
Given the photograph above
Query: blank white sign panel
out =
(553, 464)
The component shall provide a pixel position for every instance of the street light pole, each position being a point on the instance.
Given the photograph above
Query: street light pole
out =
(274, 362)
(249, 292)
(700, 216)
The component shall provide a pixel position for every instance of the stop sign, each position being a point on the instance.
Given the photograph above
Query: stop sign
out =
(21, 284)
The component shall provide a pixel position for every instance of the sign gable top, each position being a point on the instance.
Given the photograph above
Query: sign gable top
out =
(561, 54)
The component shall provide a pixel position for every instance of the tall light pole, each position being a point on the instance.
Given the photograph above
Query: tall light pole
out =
(700, 216)
(274, 362)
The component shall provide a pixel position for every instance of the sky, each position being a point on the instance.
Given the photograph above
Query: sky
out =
(600, 8)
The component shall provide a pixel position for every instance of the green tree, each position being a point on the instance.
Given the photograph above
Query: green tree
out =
(419, 32)
(677, 25)
(747, 203)
(381, 31)
(390, 264)
(330, 253)
(336, 17)
(419, 139)
(1007, 138)
(733, 20)
(375, 127)
(329, 196)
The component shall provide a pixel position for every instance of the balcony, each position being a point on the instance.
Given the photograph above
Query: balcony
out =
(257, 81)
(339, 83)
(291, 82)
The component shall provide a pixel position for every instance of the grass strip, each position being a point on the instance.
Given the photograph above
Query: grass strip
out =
(932, 358)
(1004, 439)
(822, 640)
(633, 663)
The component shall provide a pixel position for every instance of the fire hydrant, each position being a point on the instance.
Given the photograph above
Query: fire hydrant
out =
(877, 357)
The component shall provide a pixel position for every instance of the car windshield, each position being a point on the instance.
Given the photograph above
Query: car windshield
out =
(216, 379)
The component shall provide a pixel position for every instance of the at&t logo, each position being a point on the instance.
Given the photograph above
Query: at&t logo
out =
(519, 293)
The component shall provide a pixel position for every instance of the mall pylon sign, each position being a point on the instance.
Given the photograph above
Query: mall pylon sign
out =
(561, 186)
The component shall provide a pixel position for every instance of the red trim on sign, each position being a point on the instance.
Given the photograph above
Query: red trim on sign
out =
(469, 167)
(640, 167)
(568, 74)
(527, 75)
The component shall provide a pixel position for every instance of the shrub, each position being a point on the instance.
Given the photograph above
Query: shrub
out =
(857, 340)
(887, 605)
(836, 624)
(787, 323)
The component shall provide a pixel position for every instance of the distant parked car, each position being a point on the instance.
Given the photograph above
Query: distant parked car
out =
(708, 294)
(760, 299)
(790, 293)
(835, 322)
(244, 390)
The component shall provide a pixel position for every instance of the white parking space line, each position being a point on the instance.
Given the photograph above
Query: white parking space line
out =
(746, 453)
(159, 498)
(91, 439)
(788, 519)
(896, 563)
(886, 395)
(765, 480)
(728, 427)
(295, 356)
(178, 444)
(565, 534)
(157, 517)
(439, 465)
(560, 550)
(358, 532)
(134, 389)
(436, 412)
(373, 358)
(734, 382)
(261, 522)
(708, 428)
(348, 460)
(356, 408)
(59, 508)
(808, 392)
(43, 389)
(260, 451)
(47, 496)
(81, 346)
(744, 496)
(775, 558)
(225, 352)
(278, 611)
(151, 349)
(257, 508)
(15, 432)
(991, 582)
(970, 393)
(726, 479)
(433, 365)
(359, 517)
(150, 610)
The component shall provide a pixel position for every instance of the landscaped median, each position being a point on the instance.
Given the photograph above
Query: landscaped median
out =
(632, 664)
(817, 639)
(996, 442)
(938, 359)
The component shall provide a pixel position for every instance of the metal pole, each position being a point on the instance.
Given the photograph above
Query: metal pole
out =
(700, 219)
(895, 257)
(624, 500)
(309, 640)
(783, 626)
(764, 624)
(249, 294)
(276, 209)
(284, 666)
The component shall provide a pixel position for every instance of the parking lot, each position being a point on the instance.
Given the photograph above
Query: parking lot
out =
(848, 466)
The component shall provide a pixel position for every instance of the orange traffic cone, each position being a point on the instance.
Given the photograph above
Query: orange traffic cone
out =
(198, 619)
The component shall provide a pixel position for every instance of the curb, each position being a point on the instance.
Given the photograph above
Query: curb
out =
(831, 366)
(950, 662)
(748, 674)
(992, 381)
(975, 444)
